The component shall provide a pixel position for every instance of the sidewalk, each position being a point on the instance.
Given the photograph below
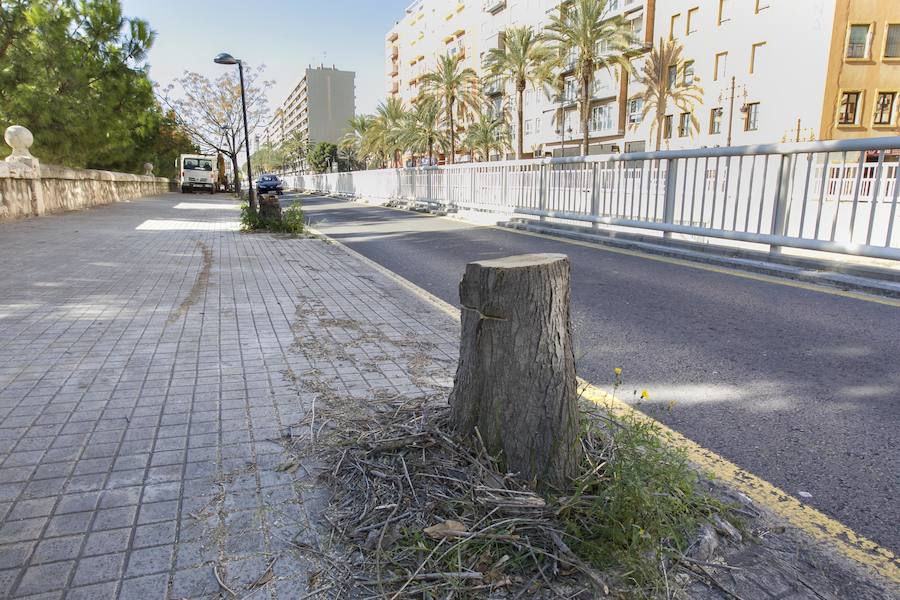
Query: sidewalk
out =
(153, 363)
(150, 359)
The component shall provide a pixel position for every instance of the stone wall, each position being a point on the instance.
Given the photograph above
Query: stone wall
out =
(29, 191)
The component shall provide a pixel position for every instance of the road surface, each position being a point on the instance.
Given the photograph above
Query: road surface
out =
(799, 386)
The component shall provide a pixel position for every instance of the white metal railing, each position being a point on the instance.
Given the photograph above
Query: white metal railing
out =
(835, 196)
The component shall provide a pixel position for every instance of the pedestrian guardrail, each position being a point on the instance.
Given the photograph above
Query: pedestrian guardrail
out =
(833, 196)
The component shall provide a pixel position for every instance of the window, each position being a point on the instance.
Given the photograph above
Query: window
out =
(601, 118)
(571, 90)
(723, 11)
(847, 112)
(692, 20)
(635, 108)
(688, 72)
(761, 5)
(756, 56)
(721, 66)
(715, 120)
(667, 126)
(537, 125)
(751, 120)
(884, 108)
(892, 41)
(684, 124)
(528, 128)
(673, 27)
(672, 76)
(858, 41)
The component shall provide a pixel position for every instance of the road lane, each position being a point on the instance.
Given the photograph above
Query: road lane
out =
(798, 386)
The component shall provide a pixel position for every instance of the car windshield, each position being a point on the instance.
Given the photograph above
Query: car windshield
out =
(269, 178)
(197, 164)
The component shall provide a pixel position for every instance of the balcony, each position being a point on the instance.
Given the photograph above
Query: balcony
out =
(392, 36)
(494, 6)
(492, 89)
(395, 51)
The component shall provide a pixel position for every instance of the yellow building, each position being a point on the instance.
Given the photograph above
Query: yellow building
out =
(862, 90)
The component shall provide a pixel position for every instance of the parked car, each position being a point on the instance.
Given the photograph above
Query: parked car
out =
(267, 184)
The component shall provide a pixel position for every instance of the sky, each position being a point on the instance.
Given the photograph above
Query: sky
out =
(284, 35)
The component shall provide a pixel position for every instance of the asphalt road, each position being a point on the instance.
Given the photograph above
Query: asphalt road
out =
(798, 386)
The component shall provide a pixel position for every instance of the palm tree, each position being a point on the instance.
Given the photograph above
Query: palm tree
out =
(424, 128)
(661, 91)
(523, 59)
(385, 129)
(487, 133)
(453, 88)
(355, 136)
(584, 31)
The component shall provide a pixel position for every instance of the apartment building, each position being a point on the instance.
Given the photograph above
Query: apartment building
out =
(862, 92)
(427, 30)
(318, 107)
(762, 66)
(431, 28)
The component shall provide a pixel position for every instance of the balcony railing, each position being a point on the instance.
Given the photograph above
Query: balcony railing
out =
(493, 6)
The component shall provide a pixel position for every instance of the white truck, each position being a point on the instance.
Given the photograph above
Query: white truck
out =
(197, 172)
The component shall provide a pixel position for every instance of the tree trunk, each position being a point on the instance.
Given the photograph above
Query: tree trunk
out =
(520, 114)
(452, 157)
(236, 172)
(586, 113)
(515, 382)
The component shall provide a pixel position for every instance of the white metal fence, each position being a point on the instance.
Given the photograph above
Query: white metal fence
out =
(838, 196)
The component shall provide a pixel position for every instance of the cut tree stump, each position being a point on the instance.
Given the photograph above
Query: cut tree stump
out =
(269, 208)
(516, 381)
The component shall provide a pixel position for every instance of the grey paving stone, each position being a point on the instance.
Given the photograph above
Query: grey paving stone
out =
(69, 523)
(155, 534)
(58, 548)
(146, 561)
(114, 518)
(150, 587)
(103, 542)
(99, 591)
(96, 569)
(45, 578)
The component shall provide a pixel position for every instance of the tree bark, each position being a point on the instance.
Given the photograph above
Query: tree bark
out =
(452, 132)
(515, 382)
(520, 117)
(586, 112)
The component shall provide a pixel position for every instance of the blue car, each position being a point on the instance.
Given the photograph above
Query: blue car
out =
(269, 184)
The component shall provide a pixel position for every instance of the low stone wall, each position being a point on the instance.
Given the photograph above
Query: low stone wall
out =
(27, 191)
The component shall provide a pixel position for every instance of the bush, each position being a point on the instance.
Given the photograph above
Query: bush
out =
(322, 156)
(291, 220)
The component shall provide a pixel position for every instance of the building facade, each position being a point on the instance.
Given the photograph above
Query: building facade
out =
(862, 92)
(318, 107)
(761, 65)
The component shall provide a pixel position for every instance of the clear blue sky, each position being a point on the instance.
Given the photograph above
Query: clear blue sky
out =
(285, 35)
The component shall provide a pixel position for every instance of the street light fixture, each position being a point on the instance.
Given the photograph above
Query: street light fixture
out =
(226, 59)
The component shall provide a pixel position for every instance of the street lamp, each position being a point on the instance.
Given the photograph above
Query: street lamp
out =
(226, 59)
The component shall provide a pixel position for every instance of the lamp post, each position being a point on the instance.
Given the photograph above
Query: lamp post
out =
(226, 59)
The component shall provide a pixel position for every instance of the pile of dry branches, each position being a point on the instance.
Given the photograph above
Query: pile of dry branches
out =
(433, 517)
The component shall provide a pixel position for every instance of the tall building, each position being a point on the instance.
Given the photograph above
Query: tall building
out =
(318, 107)
(862, 92)
(761, 65)
(427, 30)
(431, 28)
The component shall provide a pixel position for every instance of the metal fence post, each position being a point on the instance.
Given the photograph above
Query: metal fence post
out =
(446, 171)
(779, 211)
(671, 185)
(595, 196)
(471, 186)
(542, 194)
(428, 184)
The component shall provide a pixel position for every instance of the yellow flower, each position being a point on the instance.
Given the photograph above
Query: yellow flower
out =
(645, 395)
(618, 371)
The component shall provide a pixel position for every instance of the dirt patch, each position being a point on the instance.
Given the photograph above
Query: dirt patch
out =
(199, 287)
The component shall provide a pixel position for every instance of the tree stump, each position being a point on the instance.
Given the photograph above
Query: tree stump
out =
(269, 208)
(516, 381)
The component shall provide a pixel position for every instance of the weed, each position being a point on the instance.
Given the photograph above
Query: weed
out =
(291, 220)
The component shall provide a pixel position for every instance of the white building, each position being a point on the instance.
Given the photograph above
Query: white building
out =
(431, 28)
(774, 51)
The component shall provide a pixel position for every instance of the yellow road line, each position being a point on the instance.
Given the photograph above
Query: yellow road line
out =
(801, 516)
(681, 262)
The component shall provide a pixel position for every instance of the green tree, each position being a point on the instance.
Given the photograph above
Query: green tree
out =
(354, 139)
(454, 88)
(295, 149)
(384, 132)
(522, 59)
(423, 129)
(663, 78)
(74, 73)
(210, 110)
(322, 156)
(584, 34)
(487, 134)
